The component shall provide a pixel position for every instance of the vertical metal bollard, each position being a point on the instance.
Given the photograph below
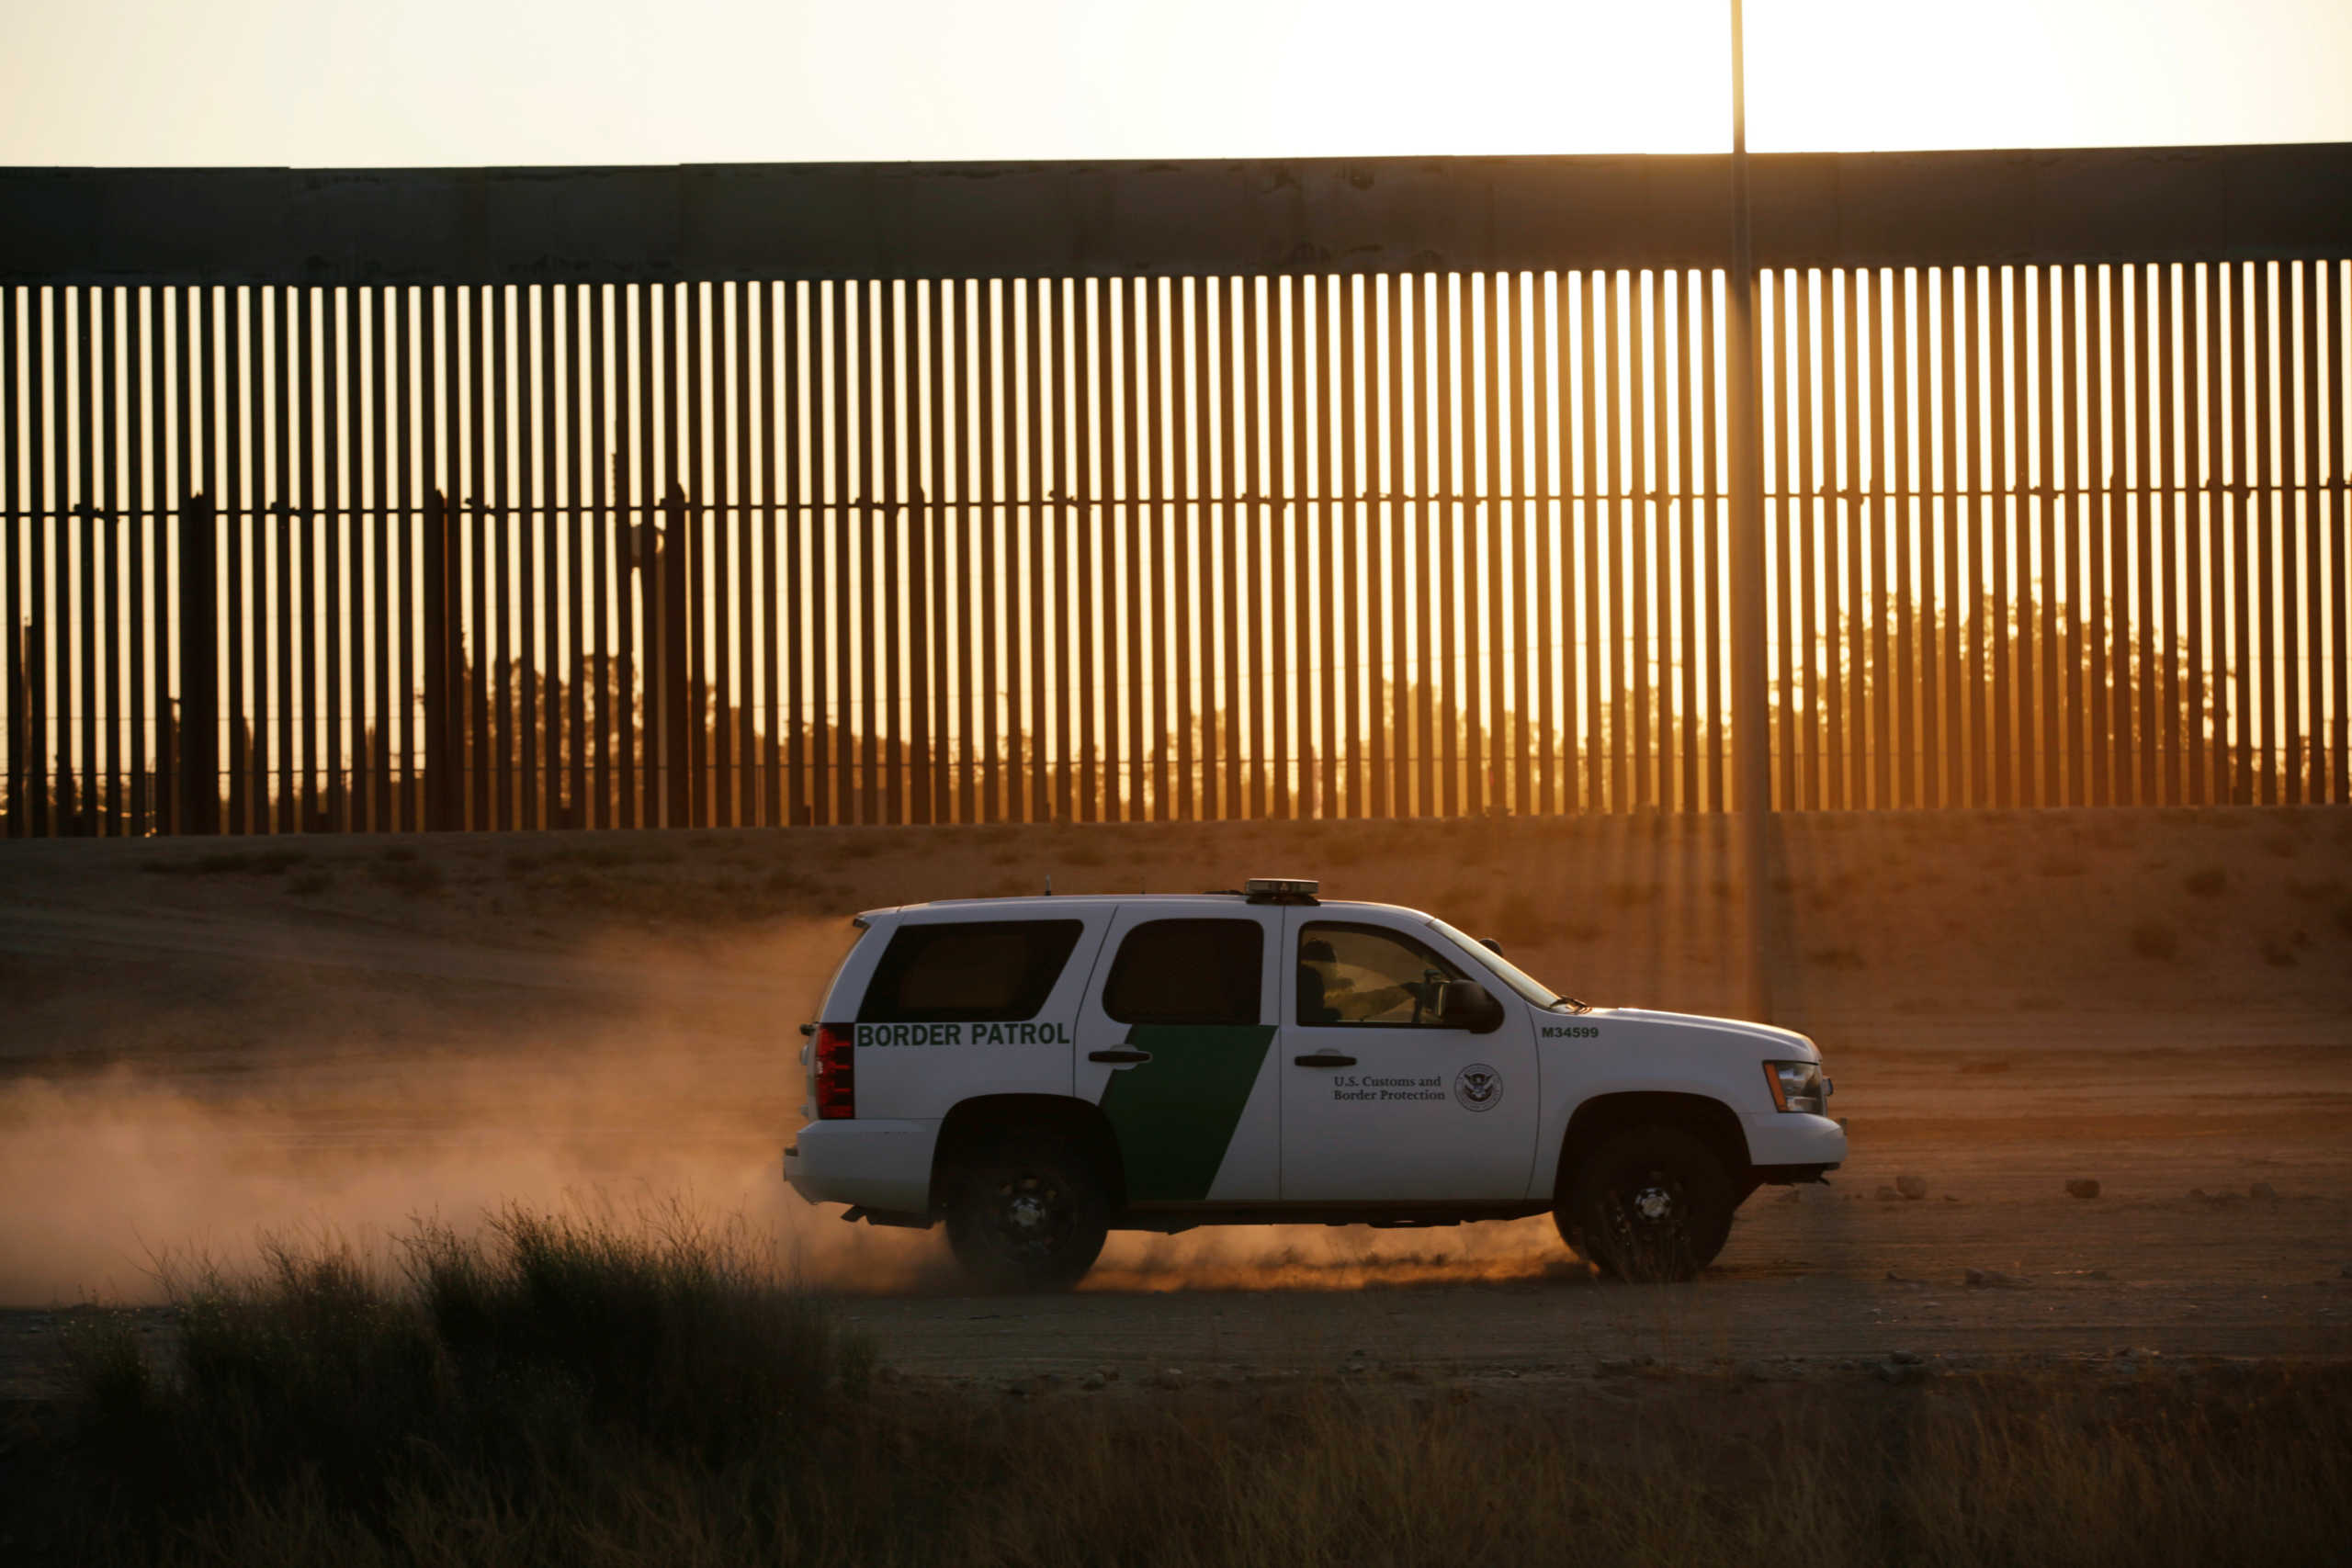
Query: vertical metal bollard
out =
(443, 766)
(679, 708)
(200, 717)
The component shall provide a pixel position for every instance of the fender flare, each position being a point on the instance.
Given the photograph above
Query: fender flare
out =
(1696, 1104)
(970, 1119)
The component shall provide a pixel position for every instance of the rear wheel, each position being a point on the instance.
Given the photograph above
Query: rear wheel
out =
(1026, 1212)
(1648, 1203)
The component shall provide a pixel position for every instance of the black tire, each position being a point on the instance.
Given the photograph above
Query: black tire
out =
(1027, 1210)
(1568, 1231)
(1648, 1203)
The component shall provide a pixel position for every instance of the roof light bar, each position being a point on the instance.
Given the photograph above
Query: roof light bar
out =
(1283, 890)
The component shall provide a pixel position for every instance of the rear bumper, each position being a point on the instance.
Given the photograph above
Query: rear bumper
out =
(1778, 1140)
(874, 1164)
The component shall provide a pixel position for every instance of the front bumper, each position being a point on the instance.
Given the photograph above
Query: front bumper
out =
(874, 1164)
(1781, 1138)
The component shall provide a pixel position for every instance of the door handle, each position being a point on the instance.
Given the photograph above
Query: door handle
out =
(1118, 1055)
(1325, 1059)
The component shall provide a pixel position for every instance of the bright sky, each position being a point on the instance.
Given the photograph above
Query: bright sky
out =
(339, 82)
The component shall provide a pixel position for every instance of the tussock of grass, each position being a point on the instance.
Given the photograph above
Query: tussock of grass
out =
(602, 855)
(1522, 917)
(491, 1380)
(2207, 882)
(231, 862)
(400, 868)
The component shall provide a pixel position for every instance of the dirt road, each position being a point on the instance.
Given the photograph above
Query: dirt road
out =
(195, 1055)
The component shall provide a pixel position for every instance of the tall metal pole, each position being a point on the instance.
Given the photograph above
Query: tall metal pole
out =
(1750, 722)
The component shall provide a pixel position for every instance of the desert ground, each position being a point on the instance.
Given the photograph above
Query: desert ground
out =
(207, 1043)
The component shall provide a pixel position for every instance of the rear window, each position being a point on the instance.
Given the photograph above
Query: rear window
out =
(981, 971)
(1188, 972)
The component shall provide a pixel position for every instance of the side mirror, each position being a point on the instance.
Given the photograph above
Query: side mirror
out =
(1465, 1004)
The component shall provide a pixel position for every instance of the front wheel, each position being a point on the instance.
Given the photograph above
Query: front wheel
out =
(1648, 1203)
(1026, 1212)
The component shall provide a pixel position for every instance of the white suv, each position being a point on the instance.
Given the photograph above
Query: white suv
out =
(1038, 1071)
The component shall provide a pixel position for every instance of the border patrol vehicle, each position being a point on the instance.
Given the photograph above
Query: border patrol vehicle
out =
(1035, 1072)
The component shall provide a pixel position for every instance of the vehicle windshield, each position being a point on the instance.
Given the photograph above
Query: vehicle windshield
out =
(1509, 974)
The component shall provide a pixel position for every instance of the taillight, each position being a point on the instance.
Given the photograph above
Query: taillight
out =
(836, 1071)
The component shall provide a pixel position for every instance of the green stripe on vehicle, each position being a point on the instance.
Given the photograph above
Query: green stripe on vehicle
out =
(1175, 1114)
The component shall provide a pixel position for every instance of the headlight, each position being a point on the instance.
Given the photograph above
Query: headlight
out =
(1798, 1085)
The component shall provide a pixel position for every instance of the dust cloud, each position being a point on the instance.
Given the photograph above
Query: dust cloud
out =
(378, 1100)
(1318, 1258)
(375, 1101)
(112, 1180)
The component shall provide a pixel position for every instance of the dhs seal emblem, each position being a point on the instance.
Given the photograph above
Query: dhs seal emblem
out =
(1478, 1086)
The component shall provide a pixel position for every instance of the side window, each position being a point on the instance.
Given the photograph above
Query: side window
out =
(982, 972)
(1188, 972)
(1364, 975)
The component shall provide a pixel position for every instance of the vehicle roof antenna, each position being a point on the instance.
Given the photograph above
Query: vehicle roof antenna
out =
(1049, 884)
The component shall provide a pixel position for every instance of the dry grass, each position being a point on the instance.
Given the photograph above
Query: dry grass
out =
(2277, 951)
(400, 868)
(2207, 882)
(309, 882)
(2155, 939)
(570, 1394)
(1522, 917)
(231, 862)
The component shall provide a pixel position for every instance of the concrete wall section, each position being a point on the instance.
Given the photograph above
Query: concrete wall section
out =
(878, 220)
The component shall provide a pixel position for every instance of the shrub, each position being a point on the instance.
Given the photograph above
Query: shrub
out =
(231, 862)
(2207, 882)
(309, 883)
(2155, 939)
(1522, 917)
(400, 868)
